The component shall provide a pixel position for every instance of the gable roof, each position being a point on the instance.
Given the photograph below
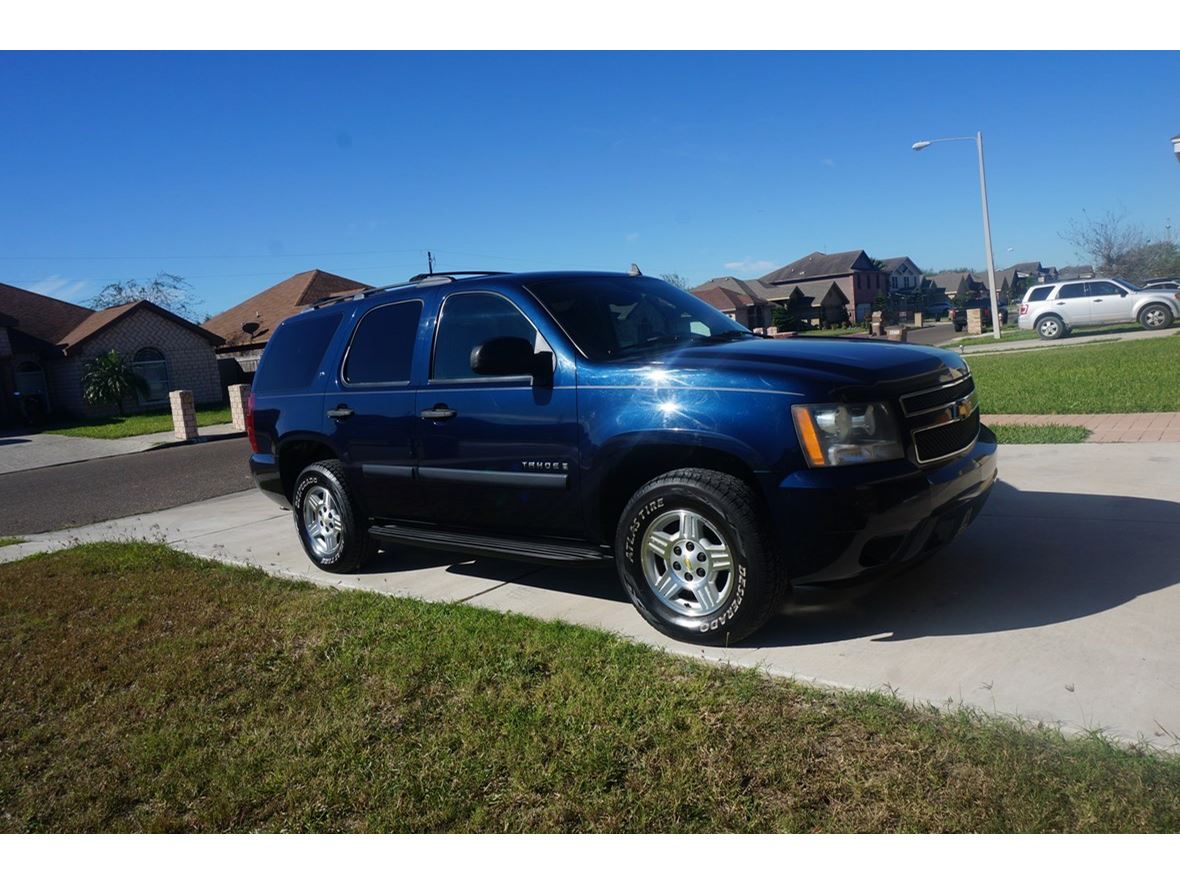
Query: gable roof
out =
(271, 306)
(818, 265)
(40, 316)
(101, 319)
(889, 265)
(952, 280)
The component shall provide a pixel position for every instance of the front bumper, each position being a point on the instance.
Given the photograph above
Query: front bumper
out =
(848, 524)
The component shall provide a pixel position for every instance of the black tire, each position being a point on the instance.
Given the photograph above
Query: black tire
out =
(354, 547)
(1149, 312)
(731, 525)
(1051, 327)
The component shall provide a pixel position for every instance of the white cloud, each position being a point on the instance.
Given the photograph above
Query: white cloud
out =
(750, 265)
(631, 238)
(828, 161)
(59, 287)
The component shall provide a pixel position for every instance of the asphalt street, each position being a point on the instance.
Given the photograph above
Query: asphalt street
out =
(67, 495)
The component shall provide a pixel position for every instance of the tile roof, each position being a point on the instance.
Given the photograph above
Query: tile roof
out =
(818, 265)
(39, 315)
(271, 306)
(889, 265)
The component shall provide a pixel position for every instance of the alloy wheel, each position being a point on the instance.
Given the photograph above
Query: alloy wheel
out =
(687, 562)
(322, 521)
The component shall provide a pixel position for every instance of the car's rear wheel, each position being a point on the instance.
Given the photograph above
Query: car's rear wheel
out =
(1050, 327)
(331, 524)
(1155, 316)
(697, 558)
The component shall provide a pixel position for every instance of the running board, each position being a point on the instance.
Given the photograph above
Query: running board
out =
(528, 549)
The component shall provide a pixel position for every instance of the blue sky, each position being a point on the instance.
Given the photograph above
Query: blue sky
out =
(237, 170)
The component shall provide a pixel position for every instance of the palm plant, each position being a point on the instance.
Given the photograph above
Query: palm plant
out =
(109, 378)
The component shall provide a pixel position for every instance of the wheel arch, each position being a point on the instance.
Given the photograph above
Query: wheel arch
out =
(295, 452)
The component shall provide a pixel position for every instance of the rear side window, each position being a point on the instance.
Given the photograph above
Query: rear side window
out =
(383, 345)
(295, 352)
(1038, 293)
(1073, 290)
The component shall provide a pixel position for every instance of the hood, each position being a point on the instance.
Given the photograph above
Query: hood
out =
(850, 361)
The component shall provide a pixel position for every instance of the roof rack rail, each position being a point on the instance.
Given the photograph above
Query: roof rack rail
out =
(422, 279)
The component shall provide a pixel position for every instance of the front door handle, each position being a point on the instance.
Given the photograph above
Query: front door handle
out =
(440, 412)
(341, 411)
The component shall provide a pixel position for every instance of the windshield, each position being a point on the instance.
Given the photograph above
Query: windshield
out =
(611, 318)
(1126, 285)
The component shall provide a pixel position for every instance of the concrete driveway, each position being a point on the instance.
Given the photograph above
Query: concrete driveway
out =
(29, 451)
(1060, 604)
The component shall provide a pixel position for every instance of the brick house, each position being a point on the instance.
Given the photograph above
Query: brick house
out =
(246, 327)
(45, 344)
(904, 274)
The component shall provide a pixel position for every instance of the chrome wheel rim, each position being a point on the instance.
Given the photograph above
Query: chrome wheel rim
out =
(687, 563)
(322, 522)
(1049, 328)
(1154, 317)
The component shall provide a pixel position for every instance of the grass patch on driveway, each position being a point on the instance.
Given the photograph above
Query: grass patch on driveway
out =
(145, 689)
(1025, 434)
(116, 427)
(8, 542)
(1124, 376)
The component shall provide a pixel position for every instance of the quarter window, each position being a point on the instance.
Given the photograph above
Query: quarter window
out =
(383, 345)
(469, 320)
(149, 364)
(295, 351)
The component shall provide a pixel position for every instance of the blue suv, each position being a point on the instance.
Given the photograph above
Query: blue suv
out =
(582, 418)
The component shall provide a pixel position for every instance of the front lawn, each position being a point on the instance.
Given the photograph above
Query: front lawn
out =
(1025, 434)
(117, 427)
(1031, 335)
(1124, 376)
(148, 690)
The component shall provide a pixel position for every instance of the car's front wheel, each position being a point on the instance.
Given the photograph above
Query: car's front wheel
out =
(1050, 327)
(697, 558)
(331, 524)
(1155, 316)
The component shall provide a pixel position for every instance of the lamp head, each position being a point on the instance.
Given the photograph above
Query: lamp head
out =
(1176, 145)
(921, 145)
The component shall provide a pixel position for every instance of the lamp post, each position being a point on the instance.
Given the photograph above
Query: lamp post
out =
(987, 224)
(1176, 145)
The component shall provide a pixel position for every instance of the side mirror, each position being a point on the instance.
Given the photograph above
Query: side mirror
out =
(511, 356)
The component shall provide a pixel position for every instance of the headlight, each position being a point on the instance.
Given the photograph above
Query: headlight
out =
(852, 433)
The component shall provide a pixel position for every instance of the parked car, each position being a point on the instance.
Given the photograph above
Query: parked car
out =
(1054, 309)
(958, 313)
(938, 310)
(1162, 283)
(577, 418)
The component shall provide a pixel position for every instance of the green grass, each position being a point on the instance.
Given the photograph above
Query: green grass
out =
(1024, 434)
(117, 427)
(148, 690)
(832, 333)
(1031, 335)
(8, 542)
(1124, 376)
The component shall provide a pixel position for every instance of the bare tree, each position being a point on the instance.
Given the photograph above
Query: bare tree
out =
(1109, 242)
(165, 290)
(676, 280)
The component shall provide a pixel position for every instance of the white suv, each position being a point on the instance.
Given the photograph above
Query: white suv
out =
(1054, 309)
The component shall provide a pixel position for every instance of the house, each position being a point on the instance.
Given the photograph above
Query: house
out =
(740, 300)
(957, 284)
(1076, 272)
(45, 344)
(904, 274)
(246, 327)
(848, 281)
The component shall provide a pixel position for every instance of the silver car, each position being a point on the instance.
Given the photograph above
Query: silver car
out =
(1054, 309)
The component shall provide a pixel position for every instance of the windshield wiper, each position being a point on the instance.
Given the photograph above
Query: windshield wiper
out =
(731, 335)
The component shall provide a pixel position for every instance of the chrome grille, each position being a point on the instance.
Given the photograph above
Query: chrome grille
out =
(942, 421)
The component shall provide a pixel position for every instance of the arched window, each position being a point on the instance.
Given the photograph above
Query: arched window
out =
(150, 366)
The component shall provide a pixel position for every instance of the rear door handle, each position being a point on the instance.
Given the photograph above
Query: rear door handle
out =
(440, 412)
(341, 411)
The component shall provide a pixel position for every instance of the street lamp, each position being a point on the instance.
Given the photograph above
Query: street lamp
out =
(987, 225)
(1176, 145)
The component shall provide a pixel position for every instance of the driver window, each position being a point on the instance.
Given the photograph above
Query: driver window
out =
(469, 320)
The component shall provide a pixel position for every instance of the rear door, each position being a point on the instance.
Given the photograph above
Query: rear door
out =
(497, 454)
(370, 405)
(1109, 302)
(1073, 303)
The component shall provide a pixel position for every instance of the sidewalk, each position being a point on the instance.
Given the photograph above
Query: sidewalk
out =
(19, 451)
(1139, 427)
(1037, 343)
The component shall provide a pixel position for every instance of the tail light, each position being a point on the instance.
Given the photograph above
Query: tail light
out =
(250, 423)
(1024, 310)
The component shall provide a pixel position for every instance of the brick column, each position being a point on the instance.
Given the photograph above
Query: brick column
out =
(896, 333)
(184, 416)
(975, 321)
(917, 319)
(238, 394)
